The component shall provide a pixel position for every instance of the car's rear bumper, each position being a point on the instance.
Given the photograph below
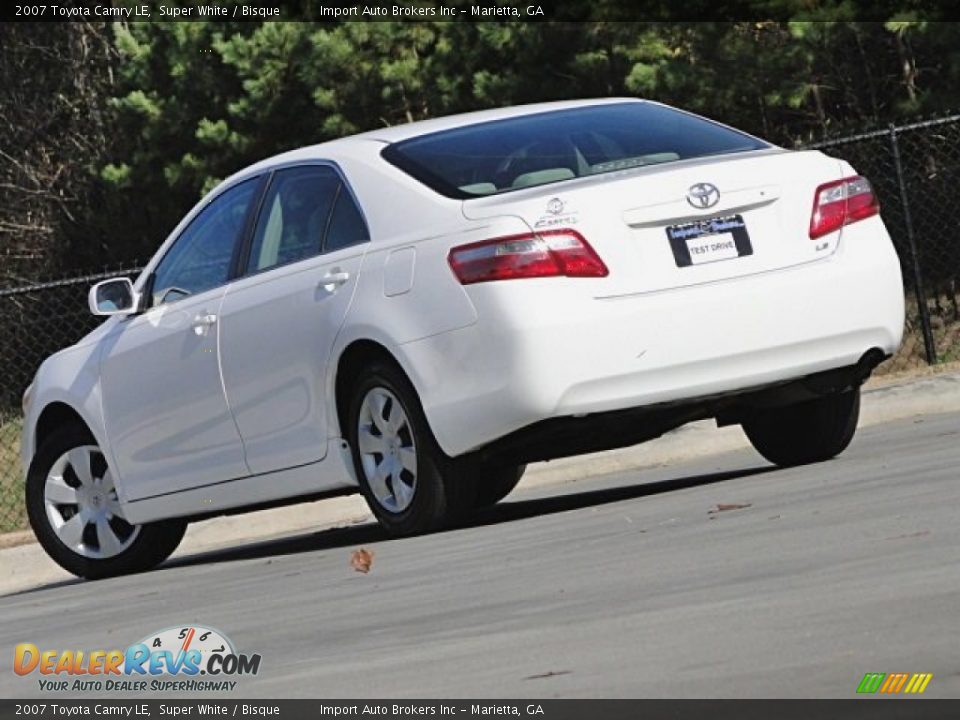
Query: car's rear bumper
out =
(577, 434)
(541, 349)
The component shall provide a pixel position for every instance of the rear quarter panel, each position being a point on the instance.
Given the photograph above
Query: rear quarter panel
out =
(406, 290)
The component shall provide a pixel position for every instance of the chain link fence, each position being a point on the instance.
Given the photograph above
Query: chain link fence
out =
(35, 321)
(915, 170)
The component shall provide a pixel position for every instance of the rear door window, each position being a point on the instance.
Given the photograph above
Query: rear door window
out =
(294, 216)
(347, 226)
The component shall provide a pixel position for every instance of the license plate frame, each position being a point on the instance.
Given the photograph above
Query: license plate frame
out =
(692, 246)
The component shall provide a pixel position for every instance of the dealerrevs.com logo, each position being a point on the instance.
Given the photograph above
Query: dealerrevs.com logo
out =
(183, 659)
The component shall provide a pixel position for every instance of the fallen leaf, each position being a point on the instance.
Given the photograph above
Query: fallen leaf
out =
(724, 507)
(361, 560)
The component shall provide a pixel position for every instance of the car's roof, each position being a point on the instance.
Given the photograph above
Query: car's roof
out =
(350, 145)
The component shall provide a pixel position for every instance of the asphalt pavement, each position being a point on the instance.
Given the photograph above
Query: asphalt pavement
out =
(717, 577)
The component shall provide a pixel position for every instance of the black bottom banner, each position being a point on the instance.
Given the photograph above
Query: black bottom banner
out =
(875, 709)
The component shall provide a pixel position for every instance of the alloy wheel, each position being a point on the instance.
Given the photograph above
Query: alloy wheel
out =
(387, 450)
(82, 506)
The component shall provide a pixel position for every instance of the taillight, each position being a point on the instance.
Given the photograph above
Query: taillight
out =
(550, 253)
(840, 203)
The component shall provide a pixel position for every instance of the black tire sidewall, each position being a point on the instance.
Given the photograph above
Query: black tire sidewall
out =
(152, 546)
(495, 483)
(809, 432)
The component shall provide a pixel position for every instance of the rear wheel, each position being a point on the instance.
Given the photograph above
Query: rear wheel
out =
(410, 485)
(73, 509)
(495, 483)
(807, 432)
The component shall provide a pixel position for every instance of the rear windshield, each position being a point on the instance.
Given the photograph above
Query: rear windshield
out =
(521, 152)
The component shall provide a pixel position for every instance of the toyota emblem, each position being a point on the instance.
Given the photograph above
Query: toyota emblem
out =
(703, 195)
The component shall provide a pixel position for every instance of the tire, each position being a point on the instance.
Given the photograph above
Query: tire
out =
(494, 484)
(410, 485)
(58, 493)
(807, 432)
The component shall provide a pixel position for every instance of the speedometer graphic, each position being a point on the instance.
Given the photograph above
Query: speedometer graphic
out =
(180, 640)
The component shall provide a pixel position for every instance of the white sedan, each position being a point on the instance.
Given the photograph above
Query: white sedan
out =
(419, 311)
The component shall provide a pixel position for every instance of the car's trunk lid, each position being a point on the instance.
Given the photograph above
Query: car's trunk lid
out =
(649, 227)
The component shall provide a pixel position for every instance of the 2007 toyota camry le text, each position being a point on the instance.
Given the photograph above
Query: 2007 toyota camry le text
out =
(417, 312)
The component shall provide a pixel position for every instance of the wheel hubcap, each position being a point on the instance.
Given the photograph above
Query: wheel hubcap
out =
(387, 450)
(82, 506)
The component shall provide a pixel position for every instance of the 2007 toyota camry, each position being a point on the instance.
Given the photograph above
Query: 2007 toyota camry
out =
(419, 311)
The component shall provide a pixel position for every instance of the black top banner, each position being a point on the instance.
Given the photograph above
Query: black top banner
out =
(478, 10)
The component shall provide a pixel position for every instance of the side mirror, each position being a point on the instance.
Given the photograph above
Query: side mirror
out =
(113, 297)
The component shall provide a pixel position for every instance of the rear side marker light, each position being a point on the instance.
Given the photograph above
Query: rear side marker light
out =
(840, 203)
(552, 253)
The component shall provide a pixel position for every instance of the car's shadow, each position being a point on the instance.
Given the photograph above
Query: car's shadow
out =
(508, 511)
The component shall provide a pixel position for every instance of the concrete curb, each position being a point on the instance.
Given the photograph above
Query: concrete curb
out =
(26, 565)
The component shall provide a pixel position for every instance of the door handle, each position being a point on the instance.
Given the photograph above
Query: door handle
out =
(201, 323)
(334, 279)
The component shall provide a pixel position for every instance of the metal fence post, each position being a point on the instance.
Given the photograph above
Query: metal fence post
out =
(928, 344)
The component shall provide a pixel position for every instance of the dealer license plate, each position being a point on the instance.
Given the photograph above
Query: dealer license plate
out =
(707, 241)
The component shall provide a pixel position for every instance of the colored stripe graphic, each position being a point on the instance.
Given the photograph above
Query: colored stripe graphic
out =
(894, 683)
(918, 683)
(871, 682)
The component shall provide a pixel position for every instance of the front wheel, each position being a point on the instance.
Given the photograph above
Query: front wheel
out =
(807, 432)
(73, 509)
